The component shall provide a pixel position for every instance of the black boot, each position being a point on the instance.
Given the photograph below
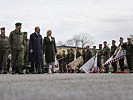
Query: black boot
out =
(13, 70)
(20, 70)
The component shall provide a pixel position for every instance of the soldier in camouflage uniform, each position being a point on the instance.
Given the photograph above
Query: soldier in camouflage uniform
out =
(128, 46)
(83, 55)
(113, 49)
(99, 58)
(78, 54)
(4, 48)
(121, 61)
(16, 41)
(106, 55)
(88, 54)
(94, 51)
(26, 53)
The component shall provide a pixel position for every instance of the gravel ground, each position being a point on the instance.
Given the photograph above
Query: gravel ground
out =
(67, 87)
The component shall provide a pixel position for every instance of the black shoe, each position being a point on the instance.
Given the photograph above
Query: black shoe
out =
(5, 72)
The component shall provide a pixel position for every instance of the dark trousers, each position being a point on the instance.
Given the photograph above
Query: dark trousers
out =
(114, 65)
(129, 62)
(121, 63)
(35, 68)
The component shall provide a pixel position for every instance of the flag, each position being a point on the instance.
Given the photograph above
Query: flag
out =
(74, 64)
(56, 66)
(90, 66)
(118, 54)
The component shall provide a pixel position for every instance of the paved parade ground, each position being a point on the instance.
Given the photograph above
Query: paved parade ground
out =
(67, 87)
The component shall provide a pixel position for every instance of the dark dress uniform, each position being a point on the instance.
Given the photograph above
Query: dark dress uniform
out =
(4, 48)
(114, 64)
(35, 57)
(129, 54)
(49, 48)
(16, 41)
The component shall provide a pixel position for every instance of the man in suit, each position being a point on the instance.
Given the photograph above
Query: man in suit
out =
(49, 49)
(35, 47)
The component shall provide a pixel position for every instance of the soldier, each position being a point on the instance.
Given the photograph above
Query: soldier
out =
(99, 58)
(83, 55)
(78, 54)
(64, 61)
(26, 53)
(113, 49)
(4, 48)
(67, 56)
(128, 46)
(16, 41)
(121, 61)
(71, 56)
(88, 54)
(106, 55)
(94, 51)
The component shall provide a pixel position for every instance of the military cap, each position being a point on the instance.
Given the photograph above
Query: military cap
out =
(129, 39)
(121, 38)
(105, 42)
(100, 44)
(25, 33)
(18, 24)
(2, 28)
(113, 41)
(94, 46)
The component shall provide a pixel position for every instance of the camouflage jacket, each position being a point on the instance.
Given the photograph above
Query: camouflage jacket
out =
(16, 40)
(113, 48)
(106, 51)
(4, 42)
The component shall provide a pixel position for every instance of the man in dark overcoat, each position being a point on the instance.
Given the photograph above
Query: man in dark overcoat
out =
(35, 47)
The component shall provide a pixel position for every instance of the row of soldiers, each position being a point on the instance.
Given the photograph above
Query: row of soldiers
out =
(18, 45)
(104, 53)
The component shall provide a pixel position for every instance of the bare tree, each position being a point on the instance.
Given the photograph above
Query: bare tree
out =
(60, 43)
(78, 40)
(86, 39)
(131, 35)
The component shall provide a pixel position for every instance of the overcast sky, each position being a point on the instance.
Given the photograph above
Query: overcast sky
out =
(102, 19)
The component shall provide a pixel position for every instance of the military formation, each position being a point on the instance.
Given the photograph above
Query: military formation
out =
(19, 54)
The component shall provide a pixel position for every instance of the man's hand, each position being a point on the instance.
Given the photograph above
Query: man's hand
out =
(31, 51)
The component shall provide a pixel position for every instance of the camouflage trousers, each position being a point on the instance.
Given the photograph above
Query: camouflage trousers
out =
(105, 58)
(17, 59)
(3, 60)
